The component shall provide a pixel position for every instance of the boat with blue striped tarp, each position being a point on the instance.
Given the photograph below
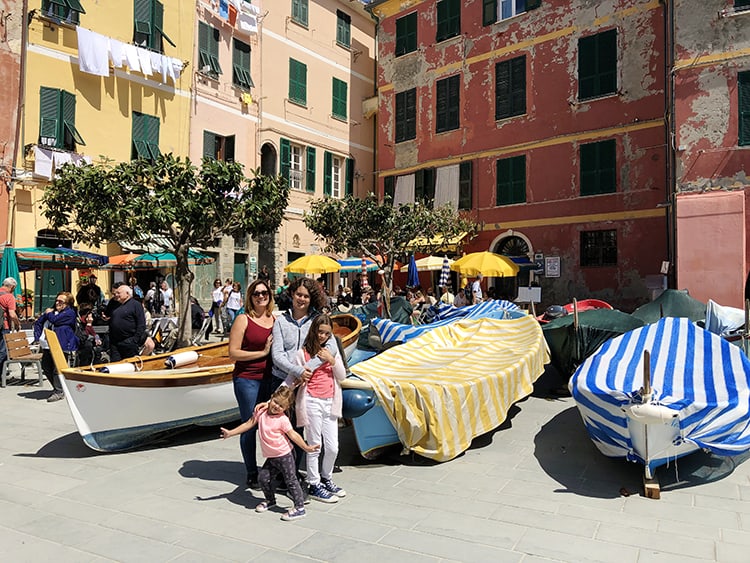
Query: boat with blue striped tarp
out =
(391, 332)
(663, 391)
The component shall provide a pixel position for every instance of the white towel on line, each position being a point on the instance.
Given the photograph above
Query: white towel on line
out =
(43, 162)
(116, 53)
(144, 57)
(131, 54)
(93, 52)
(247, 22)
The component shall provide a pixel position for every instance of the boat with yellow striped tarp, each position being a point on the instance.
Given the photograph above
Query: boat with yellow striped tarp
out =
(454, 383)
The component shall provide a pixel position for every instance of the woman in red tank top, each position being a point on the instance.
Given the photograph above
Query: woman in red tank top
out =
(250, 346)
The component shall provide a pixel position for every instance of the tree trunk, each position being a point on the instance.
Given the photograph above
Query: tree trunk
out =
(184, 281)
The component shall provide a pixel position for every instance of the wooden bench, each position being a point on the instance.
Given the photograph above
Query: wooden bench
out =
(20, 353)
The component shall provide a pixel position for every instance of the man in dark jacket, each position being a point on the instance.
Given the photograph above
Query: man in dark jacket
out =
(127, 324)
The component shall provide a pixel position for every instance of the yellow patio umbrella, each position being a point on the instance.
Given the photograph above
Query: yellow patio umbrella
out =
(427, 264)
(485, 263)
(313, 264)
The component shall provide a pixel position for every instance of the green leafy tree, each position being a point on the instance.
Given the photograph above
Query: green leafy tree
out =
(383, 232)
(185, 205)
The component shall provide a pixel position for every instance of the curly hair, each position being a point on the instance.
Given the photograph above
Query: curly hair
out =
(317, 300)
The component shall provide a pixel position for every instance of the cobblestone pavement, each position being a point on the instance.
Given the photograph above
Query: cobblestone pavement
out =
(533, 490)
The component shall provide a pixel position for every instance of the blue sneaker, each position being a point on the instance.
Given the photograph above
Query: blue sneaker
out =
(294, 514)
(331, 487)
(320, 493)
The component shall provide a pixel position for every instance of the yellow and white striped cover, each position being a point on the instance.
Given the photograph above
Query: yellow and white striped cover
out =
(456, 382)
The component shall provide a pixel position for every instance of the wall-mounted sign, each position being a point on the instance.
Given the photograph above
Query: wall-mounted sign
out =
(552, 266)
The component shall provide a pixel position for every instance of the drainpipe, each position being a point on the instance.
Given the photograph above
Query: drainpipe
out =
(671, 137)
(20, 109)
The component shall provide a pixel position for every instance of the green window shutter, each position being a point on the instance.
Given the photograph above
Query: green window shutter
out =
(448, 19)
(511, 180)
(241, 65)
(213, 49)
(203, 54)
(598, 167)
(50, 122)
(340, 98)
(142, 23)
(286, 157)
(389, 187)
(297, 82)
(349, 181)
(406, 34)
(510, 88)
(447, 104)
(327, 173)
(343, 29)
(597, 65)
(465, 185)
(406, 115)
(299, 11)
(152, 136)
(209, 144)
(489, 12)
(424, 186)
(310, 170)
(743, 87)
(158, 34)
(140, 149)
(70, 135)
(442, 20)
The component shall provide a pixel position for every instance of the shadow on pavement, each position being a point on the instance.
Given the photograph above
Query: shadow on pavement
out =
(69, 446)
(697, 469)
(566, 453)
(37, 395)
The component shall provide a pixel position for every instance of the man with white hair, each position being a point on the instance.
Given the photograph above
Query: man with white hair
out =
(10, 318)
(127, 324)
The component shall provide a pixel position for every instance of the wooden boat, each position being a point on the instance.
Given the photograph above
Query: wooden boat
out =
(347, 328)
(124, 405)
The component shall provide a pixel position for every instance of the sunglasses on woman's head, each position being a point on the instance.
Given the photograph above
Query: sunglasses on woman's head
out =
(263, 293)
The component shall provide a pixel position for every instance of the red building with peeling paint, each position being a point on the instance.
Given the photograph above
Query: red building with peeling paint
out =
(711, 114)
(545, 120)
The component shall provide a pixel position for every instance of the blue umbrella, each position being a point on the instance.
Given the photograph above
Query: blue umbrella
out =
(445, 273)
(413, 279)
(9, 268)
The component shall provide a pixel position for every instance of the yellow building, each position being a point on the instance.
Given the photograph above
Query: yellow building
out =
(102, 80)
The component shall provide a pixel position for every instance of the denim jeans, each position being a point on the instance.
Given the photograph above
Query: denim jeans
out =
(246, 393)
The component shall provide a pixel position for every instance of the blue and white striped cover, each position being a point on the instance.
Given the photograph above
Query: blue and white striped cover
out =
(493, 309)
(694, 372)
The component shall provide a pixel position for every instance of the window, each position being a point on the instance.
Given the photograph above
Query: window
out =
(340, 99)
(598, 173)
(511, 181)
(448, 19)
(406, 115)
(208, 50)
(218, 147)
(598, 248)
(299, 12)
(148, 16)
(447, 104)
(743, 88)
(338, 175)
(145, 136)
(510, 88)
(597, 65)
(67, 11)
(496, 10)
(464, 185)
(57, 119)
(295, 168)
(424, 186)
(406, 34)
(241, 65)
(389, 187)
(343, 29)
(297, 82)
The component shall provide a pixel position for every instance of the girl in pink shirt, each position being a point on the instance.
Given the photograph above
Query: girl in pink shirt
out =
(318, 407)
(275, 432)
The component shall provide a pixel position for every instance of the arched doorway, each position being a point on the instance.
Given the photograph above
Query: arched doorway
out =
(268, 160)
(512, 246)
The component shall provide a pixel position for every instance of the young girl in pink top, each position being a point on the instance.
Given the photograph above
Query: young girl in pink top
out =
(318, 407)
(275, 432)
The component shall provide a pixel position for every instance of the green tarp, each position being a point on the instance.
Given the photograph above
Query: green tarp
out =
(672, 303)
(568, 347)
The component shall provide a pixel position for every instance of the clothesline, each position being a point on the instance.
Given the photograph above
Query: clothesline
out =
(96, 51)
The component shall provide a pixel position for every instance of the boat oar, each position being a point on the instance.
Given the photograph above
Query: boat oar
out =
(646, 389)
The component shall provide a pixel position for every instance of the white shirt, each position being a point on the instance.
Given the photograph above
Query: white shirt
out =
(166, 295)
(218, 295)
(476, 291)
(234, 301)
